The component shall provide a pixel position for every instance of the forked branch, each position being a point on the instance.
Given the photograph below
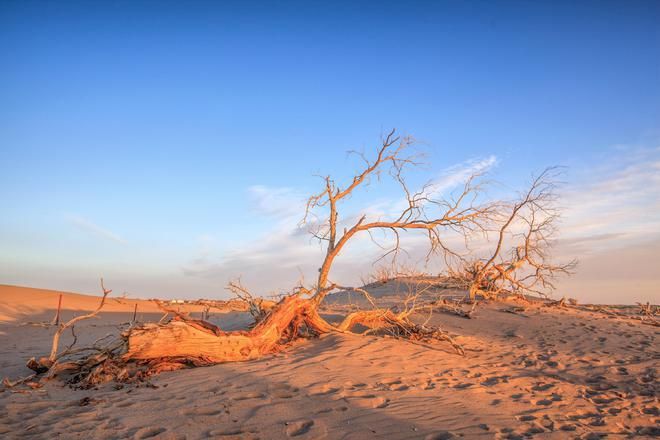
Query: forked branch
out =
(422, 211)
(56, 337)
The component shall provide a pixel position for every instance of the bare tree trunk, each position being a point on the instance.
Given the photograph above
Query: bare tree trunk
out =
(191, 339)
(198, 342)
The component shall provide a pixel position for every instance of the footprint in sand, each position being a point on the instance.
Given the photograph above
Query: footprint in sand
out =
(526, 418)
(614, 410)
(148, 432)
(125, 404)
(232, 434)
(204, 412)
(441, 435)
(622, 371)
(495, 380)
(582, 414)
(595, 379)
(380, 402)
(324, 390)
(217, 390)
(535, 428)
(603, 400)
(295, 429)
(543, 386)
(509, 434)
(393, 384)
(225, 432)
(251, 395)
(370, 399)
(544, 402)
(651, 410)
(360, 395)
(283, 391)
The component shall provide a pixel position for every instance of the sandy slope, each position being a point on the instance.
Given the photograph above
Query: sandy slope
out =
(24, 303)
(550, 373)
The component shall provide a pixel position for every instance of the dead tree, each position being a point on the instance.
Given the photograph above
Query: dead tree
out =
(184, 341)
(424, 211)
(527, 226)
(297, 314)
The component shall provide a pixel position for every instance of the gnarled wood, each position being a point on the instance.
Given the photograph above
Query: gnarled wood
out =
(190, 340)
(182, 338)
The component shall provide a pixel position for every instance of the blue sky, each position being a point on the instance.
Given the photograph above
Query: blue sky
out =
(154, 141)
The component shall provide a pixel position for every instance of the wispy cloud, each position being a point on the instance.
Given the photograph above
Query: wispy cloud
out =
(278, 203)
(617, 201)
(274, 255)
(446, 181)
(458, 174)
(589, 239)
(89, 226)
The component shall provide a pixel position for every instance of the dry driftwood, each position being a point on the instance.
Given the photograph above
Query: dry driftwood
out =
(203, 342)
(46, 363)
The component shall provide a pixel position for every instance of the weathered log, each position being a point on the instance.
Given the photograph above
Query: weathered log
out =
(190, 339)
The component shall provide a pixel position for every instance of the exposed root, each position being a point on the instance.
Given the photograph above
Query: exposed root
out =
(398, 325)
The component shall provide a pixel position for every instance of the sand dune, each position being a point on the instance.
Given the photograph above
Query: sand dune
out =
(547, 372)
(23, 303)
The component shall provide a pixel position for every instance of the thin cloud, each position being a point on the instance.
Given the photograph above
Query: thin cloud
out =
(458, 174)
(590, 239)
(620, 198)
(449, 179)
(89, 226)
(279, 203)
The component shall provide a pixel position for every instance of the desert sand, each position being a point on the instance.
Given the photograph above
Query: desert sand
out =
(542, 372)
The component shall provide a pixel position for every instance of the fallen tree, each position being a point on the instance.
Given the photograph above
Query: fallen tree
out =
(182, 342)
(149, 348)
